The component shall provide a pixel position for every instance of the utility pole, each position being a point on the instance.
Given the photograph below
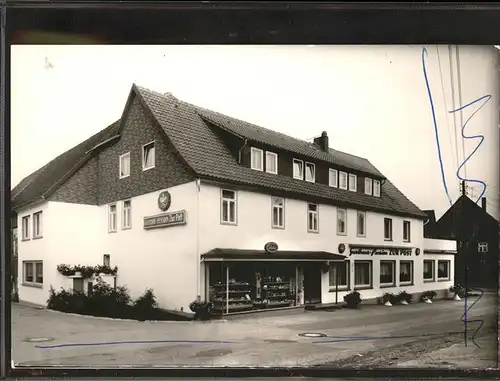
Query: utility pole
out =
(463, 255)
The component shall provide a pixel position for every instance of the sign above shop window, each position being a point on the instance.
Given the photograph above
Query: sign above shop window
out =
(271, 247)
(165, 219)
(164, 200)
(373, 250)
(341, 248)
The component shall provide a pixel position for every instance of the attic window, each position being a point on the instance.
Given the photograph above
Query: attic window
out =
(257, 159)
(342, 180)
(125, 165)
(376, 188)
(368, 186)
(148, 156)
(272, 162)
(353, 182)
(310, 172)
(298, 169)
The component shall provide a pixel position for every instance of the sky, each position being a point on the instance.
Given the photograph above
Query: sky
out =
(372, 101)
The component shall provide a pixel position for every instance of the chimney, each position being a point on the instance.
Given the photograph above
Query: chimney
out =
(322, 141)
(483, 203)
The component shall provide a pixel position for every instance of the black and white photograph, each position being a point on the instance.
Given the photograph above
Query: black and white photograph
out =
(255, 205)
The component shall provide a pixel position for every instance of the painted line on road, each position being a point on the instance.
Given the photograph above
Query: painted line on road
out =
(133, 342)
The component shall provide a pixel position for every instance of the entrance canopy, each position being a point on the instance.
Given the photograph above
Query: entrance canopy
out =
(218, 255)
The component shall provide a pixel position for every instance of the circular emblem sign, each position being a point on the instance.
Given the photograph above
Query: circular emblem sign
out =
(341, 248)
(417, 251)
(271, 247)
(164, 200)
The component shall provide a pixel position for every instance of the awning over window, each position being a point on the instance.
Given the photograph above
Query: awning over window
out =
(261, 255)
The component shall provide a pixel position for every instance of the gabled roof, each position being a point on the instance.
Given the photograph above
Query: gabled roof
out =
(209, 158)
(45, 180)
(464, 203)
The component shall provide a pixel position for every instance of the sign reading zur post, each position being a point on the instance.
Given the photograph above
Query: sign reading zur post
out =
(165, 219)
(370, 251)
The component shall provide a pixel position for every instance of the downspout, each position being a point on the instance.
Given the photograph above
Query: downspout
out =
(198, 254)
(241, 150)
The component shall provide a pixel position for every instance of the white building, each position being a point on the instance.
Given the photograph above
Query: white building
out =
(183, 199)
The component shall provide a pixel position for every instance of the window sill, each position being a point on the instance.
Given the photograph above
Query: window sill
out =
(278, 227)
(124, 177)
(310, 181)
(386, 285)
(127, 228)
(444, 279)
(342, 234)
(111, 231)
(148, 168)
(388, 239)
(405, 241)
(34, 285)
(298, 178)
(361, 236)
(340, 289)
(342, 188)
(405, 284)
(272, 173)
(257, 169)
(429, 280)
(229, 223)
(25, 239)
(40, 237)
(352, 190)
(361, 288)
(313, 231)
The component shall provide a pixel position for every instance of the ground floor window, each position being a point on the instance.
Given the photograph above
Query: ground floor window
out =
(443, 270)
(387, 277)
(339, 275)
(243, 286)
(33, 273)
(362, 274)
(428, 270)
(406, 272)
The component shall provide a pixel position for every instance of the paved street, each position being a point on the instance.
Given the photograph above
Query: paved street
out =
(374, 335)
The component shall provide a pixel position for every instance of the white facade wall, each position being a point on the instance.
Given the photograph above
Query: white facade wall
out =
(441, 245)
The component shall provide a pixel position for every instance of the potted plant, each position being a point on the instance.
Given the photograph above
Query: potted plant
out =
(427, 296)
(404, 298)
(388, 299)
(353, 300)
(458, 291)
(202, 309)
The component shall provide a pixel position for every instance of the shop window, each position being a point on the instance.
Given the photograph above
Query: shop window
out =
(428, 270)
(333, 179)
(148, 156)
(343, 180)
(368, 186)
(33, 273)
(37, 225)
(443, 270)
(272, 163)
(387, 276)
(228, 206)
(124, 165)
(341, 221)
(406, 231)
(353, 182)
(312, 218)
(127, 214)
(339, 275)
(362, 274)
(376, 188)
(298, 169)
(257, 159)
(310, 172)
(26, 228)
(278, 212)
(388, 229)
(361, 224)
(406, 272)
(112, 218)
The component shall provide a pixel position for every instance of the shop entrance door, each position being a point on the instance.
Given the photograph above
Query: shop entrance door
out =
(312, 283)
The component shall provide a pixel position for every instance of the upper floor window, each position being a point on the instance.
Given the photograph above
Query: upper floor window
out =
(342, 180)
(312, 218)
(228, 207)
(272, 162)
(388, 229)
(112, 218)
(376, 188)
(257, 159)
(406, 231)
(278, 212)
(310, 172)
(361, 224)
(298, 169)
(482, 247)
(37, 225)
(148, 156)
(26, 228)
(353, 182)
(368, 186)
(341, 221)
(106, 260)
(127, 214)
(333, 179)
(125, 165)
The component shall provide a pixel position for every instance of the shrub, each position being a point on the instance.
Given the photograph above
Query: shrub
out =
(145, 305)
(86, 271)
(202, 309)
(353, 299)
(403, 295)
(428, 295)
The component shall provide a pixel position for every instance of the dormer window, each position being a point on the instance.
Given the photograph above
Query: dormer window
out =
(272, 162)
(333, 179)
(342, 180)
(257, 159)
(353, 182)
(376, 188)
(368, 186)
(310, 172)
(298, 169)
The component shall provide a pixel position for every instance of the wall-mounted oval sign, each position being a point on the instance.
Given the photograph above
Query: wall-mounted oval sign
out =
(164, 200)
(417, 251)
(341, 248)
(271, 247)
